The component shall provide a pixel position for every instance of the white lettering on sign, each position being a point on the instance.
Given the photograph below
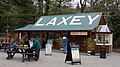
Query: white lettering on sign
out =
(76, 19)
(92, 19)
(64, 20)
(53, 21)
(38, 22)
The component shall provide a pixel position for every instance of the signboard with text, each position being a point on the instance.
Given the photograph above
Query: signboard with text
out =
(72, 22)
(48, 49)
(75, 54)
(78, 33)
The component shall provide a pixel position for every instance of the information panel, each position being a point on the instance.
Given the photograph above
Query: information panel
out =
(48, 50)
(75, 54)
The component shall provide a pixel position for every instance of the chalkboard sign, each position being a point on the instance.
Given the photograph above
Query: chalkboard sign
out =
(73, 55)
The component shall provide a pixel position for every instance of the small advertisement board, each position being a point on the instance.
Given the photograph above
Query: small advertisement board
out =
(75, 54)
(48, 49)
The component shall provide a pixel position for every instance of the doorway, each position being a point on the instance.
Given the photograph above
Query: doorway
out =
(81, 41)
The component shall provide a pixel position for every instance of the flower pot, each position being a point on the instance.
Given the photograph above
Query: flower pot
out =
(89, 52)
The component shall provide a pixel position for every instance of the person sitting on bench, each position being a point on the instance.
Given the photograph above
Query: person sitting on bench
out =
(11, 50)
(37, 46)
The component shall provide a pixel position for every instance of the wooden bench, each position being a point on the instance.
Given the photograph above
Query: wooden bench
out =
(34, 55)
(10, 54)
(5, 46)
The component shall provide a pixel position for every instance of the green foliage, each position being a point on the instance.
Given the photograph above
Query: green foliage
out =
(114, 24)
(61, 40)
(55, 10)
(90, 44)
(111, 12)
(15, 13)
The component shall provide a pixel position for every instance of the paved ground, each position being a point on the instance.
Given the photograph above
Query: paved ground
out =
(57, 60)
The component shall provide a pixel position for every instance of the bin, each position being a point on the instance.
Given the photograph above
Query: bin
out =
(103, 52)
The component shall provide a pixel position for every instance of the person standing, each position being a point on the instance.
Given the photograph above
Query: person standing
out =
(65, 42)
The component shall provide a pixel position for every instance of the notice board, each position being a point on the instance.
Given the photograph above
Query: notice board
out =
(48, 49)
(75, 55)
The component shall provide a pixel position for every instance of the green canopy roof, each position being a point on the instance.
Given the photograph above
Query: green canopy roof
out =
(82, 21)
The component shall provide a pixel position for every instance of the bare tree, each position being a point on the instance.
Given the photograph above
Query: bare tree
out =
(92, 4)
(59, 6)
(83, 5)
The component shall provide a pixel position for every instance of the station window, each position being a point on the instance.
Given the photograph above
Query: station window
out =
(100, 38)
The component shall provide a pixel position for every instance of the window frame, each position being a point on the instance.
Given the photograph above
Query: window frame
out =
(108, 39)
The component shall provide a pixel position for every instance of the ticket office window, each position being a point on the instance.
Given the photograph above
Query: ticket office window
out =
(100, 38)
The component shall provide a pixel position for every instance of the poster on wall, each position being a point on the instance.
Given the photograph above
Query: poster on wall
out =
(75, 54)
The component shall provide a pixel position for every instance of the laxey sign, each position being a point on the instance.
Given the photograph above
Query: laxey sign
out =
(70, 19)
